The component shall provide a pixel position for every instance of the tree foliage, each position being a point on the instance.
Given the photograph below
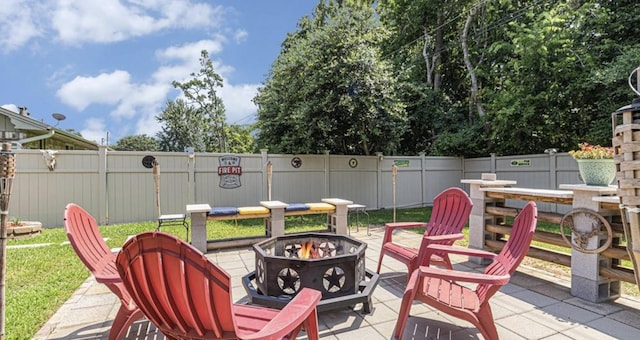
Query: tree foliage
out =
(137, 143)
(183, 126)
(330, 89)
(546, 74)
(198, 119)
(205, 109)
(444, 77)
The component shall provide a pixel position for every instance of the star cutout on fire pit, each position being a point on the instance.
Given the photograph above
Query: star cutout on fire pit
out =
(333, 279)
(291, 250)
(289, 280)
(327, 249)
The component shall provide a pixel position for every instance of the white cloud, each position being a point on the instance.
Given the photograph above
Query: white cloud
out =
(106, 88)
(117, 20)
(238, 102)
(144, 98)
(140, 102)
(182, 60)
(147, 124)
(240, 36)
(10, 107)
(17, 24)
(95, 130)
(103, 21)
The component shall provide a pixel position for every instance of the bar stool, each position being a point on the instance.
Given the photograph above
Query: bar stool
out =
(357, 209)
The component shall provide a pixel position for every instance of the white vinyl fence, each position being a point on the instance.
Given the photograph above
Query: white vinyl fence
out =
(115, 187)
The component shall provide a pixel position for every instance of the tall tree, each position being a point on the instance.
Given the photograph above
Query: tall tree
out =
(239, 139)
(329, 88)
(201, 94)
(183, 126)
(136, 143)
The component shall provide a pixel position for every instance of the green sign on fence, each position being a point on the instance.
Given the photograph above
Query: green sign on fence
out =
(521, 162)
(401, 162)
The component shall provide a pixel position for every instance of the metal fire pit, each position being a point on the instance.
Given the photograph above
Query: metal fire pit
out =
(338, 271)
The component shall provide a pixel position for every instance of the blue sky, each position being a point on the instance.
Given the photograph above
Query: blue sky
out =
(108, 65)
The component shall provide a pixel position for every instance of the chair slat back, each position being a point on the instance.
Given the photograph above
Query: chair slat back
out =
(450, 212)
(176, 286)
(85, 237)
(514, 250)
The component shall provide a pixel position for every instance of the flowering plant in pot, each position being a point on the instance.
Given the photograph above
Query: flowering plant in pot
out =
(595, 164)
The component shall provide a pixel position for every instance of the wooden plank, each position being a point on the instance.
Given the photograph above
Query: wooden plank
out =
(619, 273)
(530, 197)
(546, 255)
(540, 236)
(508, 211)
(629, 165)
(629, 183)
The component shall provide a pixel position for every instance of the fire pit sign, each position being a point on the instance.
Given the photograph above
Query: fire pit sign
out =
(229, 172)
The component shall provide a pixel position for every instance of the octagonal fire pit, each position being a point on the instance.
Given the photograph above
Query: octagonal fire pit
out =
(332, 264)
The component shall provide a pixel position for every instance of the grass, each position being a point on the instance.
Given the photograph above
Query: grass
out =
(40, 279)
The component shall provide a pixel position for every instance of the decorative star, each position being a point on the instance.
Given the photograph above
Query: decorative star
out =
(333, 279)
(326, 249)
(289, 280)
(291, 250)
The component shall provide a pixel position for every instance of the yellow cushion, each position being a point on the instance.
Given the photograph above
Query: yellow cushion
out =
(252, 210)
(320, 207)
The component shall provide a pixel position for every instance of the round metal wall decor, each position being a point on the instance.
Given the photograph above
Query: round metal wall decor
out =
(353, 162)
(296, 162)
(148, 161)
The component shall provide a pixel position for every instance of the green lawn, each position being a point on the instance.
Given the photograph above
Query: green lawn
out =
(40, 279)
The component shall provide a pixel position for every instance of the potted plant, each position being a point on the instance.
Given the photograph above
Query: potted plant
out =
(595, 164)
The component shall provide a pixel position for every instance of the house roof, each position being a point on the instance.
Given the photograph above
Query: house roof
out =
(27, 124)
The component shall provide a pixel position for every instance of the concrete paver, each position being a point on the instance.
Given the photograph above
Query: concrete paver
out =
(534, 305)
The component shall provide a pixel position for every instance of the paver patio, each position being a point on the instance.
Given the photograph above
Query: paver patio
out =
(534, 305)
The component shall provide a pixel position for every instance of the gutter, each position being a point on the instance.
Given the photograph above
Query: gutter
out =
(36, 138)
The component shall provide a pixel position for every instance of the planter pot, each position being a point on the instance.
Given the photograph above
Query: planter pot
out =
(599, 172)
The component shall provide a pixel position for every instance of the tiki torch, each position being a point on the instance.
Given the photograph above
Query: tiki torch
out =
(269, 176)
(394, 173)
(156, 179)
(7, 173)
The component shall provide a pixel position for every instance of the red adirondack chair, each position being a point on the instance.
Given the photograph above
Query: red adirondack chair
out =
(189, 297)
(451, 210)
(85, 238)
(440, 288)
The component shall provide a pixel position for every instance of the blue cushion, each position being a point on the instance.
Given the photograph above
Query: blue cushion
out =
(296, 207)
(222, 211)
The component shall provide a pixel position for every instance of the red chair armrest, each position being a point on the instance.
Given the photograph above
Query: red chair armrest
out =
(456, 275)
(401, 225)
(107, 272)
(432, 248)
(443, 238)
(291, 316)
(390, 227)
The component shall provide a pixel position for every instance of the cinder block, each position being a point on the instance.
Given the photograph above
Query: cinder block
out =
(594, 291)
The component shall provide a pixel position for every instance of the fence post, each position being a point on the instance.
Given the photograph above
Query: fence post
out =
(327, 177)
(493, 163)
(379, 193)
(103, 195)
(191, 169)
(265, 181)
(423, 182)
